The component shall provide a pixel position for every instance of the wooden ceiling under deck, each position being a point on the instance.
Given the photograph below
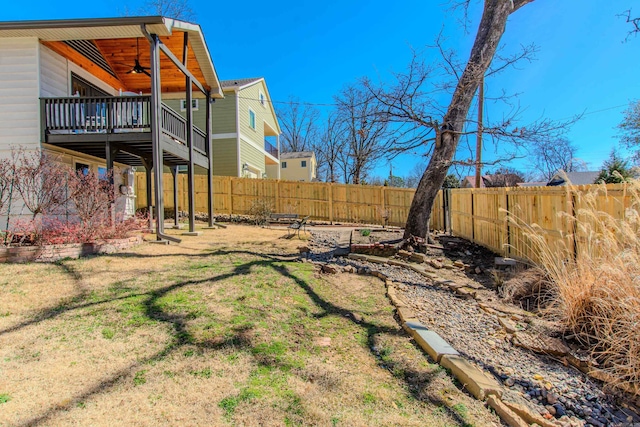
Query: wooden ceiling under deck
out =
(121, 54)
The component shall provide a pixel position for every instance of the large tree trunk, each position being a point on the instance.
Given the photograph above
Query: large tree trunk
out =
(492, 27)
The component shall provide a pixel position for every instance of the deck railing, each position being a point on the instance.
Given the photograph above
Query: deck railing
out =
(173, 124)
(199, 140)
(270, 148)
(116, 114)
(96, 114)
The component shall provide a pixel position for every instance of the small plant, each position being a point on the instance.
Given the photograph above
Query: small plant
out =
(108, 333)
(140, 378)
(365, 232)
(4, 398)
(261, 210)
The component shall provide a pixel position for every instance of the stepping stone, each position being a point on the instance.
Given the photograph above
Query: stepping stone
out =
(472, 378)
(541, 344)
(505, 262)
(433, 344)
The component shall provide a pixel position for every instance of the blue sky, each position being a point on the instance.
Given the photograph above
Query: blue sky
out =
(310, 50)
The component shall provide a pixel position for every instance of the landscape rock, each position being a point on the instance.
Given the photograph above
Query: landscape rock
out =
(329, 269)
(540, 344)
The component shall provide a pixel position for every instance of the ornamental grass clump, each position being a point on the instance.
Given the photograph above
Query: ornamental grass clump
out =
(594, 277)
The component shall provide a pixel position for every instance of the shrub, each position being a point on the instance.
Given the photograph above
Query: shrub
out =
(365, 232)
(92, 197)
(596, 292)
(41, 182)
(261, 210)
(66, 206)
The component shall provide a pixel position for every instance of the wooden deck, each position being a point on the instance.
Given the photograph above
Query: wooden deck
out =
(86, 124)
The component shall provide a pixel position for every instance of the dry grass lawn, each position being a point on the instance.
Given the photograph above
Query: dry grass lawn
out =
(223, 329)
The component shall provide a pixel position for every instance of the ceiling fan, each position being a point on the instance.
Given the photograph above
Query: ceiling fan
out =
(137, 68)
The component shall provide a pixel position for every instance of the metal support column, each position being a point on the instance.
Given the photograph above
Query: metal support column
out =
(210, 158)
(176, 181)
(148, 165)
(110, 154)
(156, 108)
(191, 166)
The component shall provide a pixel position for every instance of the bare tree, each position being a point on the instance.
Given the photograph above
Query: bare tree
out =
(176, 9)
(630, 128)
(503, 177)
(299, 126)
(366, 131)
(6, 184)
(634, 21)
(412, 103)
(551, 155)
(41, 182)
(329, 147)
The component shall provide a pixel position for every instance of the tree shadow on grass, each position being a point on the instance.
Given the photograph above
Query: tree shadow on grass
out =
(181, 336)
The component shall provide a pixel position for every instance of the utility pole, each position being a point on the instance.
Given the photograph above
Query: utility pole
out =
(479, 135)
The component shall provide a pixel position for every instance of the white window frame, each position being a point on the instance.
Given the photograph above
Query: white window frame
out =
(303, 163)
(283, 165)
(262, 99)
(255, 119)
(194, 104)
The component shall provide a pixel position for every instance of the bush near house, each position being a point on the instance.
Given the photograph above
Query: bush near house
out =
(64, 205)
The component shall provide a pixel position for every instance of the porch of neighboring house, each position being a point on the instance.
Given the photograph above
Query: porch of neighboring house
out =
(134, 130)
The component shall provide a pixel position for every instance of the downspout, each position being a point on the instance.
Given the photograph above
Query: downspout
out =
(158, 163)
(239, 166)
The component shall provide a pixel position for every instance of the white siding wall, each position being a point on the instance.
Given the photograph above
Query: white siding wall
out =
(19, 105)
(54, 75)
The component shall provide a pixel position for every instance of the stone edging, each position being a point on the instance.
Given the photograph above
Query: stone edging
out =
(52, 253)
(479, 383)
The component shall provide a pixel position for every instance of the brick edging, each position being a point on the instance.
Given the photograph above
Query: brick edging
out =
(52, 253)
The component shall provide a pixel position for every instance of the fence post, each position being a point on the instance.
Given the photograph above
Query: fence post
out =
(382, 206)
(473, 221)
(277, 206)
(506, 219)
(330, 194)
(230, 195)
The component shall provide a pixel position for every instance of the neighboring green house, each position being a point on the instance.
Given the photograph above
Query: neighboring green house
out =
(244, 128)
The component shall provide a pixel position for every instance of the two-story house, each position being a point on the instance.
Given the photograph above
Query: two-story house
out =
(94, 92)
(298, 166)
(245, 131)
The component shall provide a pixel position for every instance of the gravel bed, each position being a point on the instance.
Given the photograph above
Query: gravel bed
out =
(543, 383)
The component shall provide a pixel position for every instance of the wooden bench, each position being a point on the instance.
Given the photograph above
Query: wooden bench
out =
(299, 224)
(283, 216)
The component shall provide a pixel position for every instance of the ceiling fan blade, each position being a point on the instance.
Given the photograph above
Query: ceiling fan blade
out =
(146, 72)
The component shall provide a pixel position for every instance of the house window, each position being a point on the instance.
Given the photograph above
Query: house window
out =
(303, 163)
(183, 105)
(262, 99)
(252, 119)
(102, 173)
(81, 87)
(83, 168)
(284, 165)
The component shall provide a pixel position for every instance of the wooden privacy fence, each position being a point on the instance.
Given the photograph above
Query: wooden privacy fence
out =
(479, 215)
(563, 216)
(322, 201)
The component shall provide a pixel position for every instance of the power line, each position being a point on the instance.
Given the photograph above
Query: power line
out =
(313, 104)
